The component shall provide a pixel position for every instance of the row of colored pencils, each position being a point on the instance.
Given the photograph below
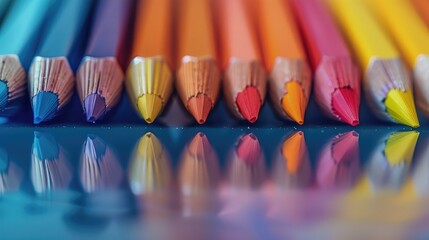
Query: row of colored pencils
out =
(250, 44)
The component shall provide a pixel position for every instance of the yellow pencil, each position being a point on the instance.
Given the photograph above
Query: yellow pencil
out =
(387, 84)
(410, 34)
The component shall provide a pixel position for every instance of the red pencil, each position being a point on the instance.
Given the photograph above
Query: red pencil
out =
(337, 83)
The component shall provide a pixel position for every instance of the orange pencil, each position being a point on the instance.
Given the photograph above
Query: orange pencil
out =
(149, 79)
(244, 76)
(284, 58)
(422, 7)
(198, 78)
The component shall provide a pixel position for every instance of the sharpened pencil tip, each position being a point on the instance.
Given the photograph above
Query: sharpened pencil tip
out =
(149, 107)
(294, 102)
(95, 107)
(45, 107)
(344, 104)
(400, 106)
(4, 95)
(400, 147)
(200, 107)
(248, 148)
(249, 103)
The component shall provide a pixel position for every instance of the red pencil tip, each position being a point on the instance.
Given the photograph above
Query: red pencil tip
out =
(248, 149)
(249, 103)
(200, 107)
(345, 105)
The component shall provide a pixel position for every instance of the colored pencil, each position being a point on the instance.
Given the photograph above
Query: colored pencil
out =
(396, 16)
(198, 176)
(198, 78)
(150, 169)
(51, 75)
(336, 82)
(99, 166)
(247, 163)
(387, 84)
(292, 168)
(49, 168)
(149, 79)
(422, 7)
(244, 83)
(390, 162)
(338, 165)
(4, 7)
(10, 173)
(284, 58)
(19, 34)
(100, 75)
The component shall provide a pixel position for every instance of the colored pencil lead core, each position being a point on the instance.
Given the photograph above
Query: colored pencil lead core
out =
(45, 105)
(200, 107)
(400, 147)
(400, 106)
(248, 149)
(344, 104)
(294, 102)
(94, 107)
(293, 150)
(4, 95)
(149, 106)
(249, 103)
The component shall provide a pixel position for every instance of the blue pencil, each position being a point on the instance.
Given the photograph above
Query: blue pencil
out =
(51, 75)
(100, 75)
(19, 34)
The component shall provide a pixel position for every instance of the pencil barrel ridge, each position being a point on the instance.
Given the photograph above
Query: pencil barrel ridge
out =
(13, 79)
(335, 73)
(421, 76)
(198, 75)
(382, 76)
(149, 85)
(284, 72)
(100, 76)
(239, 76)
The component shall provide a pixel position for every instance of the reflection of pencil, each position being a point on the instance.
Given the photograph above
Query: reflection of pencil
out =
(387, 84)
(285, 59)
(100, 76)
(337, 84)
(244, 77)
(149, 81)
(19, 35)
(397, 16)
(51, 76)
(198, 79)
(422, 6)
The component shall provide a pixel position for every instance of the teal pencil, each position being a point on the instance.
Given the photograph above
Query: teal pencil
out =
(51, 75)
(4, 6)
(19, 34)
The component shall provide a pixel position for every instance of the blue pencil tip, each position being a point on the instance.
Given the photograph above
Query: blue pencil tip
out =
(94, 107)
(45, 106)
(45, 146)
(4, 95)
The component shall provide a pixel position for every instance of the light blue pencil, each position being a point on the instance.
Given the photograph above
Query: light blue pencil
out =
(51, 75)
(19, 34)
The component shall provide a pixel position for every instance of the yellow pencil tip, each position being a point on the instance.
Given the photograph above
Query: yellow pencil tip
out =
(293, 150)
(400, 147)
(400, 106)
(294, 102)
(149, 107)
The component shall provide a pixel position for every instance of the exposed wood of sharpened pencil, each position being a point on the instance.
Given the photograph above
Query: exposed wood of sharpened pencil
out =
(285, 59)
(411, 36)
(198, 78)
(337, 82)
(149, 79)
(100, 75)
(244, 83)
(387, 84)
(19, 35)
(51, 75)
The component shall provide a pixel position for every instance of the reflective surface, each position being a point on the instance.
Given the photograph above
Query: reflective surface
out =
(189, 183)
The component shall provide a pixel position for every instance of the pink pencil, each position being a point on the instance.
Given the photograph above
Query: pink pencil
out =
(337, 83)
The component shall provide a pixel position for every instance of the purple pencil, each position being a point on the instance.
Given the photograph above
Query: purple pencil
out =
(100, 75)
